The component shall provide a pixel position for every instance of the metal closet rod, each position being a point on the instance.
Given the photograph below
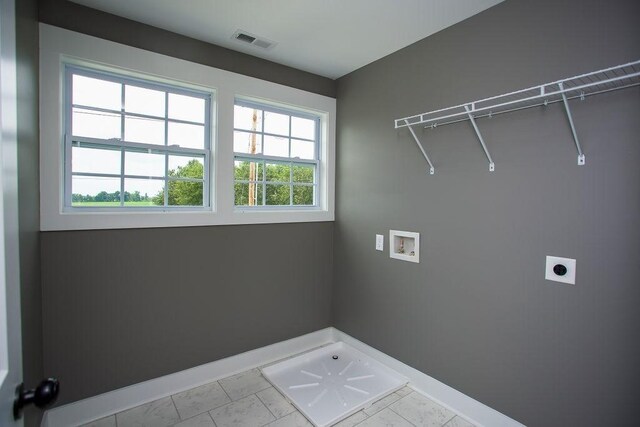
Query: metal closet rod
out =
(530, 97)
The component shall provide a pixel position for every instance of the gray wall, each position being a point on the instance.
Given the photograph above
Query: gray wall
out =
(124, 306)
(476, 313)
(29, 201)
(72, 16)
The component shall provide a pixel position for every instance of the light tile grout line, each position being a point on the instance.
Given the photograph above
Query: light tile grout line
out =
(259, 373)
(400, 415)
(223, 389)
(449, 420)
(455, 414)
(265, 405)
(206, 411)
(384, 407)
(212, 420)
(225, 392)
(234, 401)
(195, 416)
(276, 418)
(176, 407)
(395, 412)
(278, 391)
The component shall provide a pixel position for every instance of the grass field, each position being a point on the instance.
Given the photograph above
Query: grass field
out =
(107, 204)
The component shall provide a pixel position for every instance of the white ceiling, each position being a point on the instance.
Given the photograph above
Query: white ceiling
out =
(326, 37)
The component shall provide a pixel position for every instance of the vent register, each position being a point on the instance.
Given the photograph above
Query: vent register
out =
(252, 39)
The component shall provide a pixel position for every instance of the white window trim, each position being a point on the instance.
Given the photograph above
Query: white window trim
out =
(59, 46)
(71, 70)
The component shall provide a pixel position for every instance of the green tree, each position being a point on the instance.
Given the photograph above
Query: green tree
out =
(278, 184)
(183, 193)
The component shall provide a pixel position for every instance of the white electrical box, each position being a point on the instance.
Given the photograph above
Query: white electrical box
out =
(560, 270)
(379, 242)
(404, 245)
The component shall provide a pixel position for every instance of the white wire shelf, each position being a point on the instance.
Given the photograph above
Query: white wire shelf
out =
(597, 82)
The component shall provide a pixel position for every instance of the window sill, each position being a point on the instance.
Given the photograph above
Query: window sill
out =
(114, 220)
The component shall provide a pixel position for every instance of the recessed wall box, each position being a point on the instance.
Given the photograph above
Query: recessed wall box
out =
(404, 245)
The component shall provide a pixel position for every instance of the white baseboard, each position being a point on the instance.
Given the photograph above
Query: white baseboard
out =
(86, 410)
(93, 408)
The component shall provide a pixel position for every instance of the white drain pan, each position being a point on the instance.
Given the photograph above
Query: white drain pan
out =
(332, 382)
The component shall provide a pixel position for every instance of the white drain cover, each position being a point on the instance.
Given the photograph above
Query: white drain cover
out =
(333, 382)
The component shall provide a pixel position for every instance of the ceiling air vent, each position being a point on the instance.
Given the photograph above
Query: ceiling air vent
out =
(252, 39)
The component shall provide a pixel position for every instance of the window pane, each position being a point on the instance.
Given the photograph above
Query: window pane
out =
(245, 142)
(276, 123)
(185, 193)
(303, 173)
(143, 164)
(248, 194)
(96, 93)
(144, 101)
(193, 167)
(303, 128)
(95, 124)
(93, 160)
(247, 118)
(303, 149)
(188, 108)
(90, 191)
(148, 131)
(278, 195)
(278, 172)
(303, 195)
(143, 192)
(186, 136)
(276, 146)
(148, 172)
(248, 171)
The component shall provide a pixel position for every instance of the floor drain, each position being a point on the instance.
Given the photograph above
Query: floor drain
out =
(335, 357)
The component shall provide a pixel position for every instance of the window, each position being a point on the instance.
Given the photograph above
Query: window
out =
(134, 144)
(133, 139)
(276, 157)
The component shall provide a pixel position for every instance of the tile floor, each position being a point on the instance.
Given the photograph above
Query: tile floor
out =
(248, 399)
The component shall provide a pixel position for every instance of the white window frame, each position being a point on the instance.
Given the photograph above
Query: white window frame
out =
(238, 156)
(59, 47)
(139, 81)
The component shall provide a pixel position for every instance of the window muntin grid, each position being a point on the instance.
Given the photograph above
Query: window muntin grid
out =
(163, 122)
(276, 157)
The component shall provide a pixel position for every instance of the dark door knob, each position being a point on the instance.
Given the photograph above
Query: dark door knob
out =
(43, 396)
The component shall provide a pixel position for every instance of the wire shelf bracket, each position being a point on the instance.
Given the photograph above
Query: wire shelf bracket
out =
(578, 87)
(581, 158)
(492, 166)
(424, 153)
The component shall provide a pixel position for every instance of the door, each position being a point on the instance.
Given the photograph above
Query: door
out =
(10, 335)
